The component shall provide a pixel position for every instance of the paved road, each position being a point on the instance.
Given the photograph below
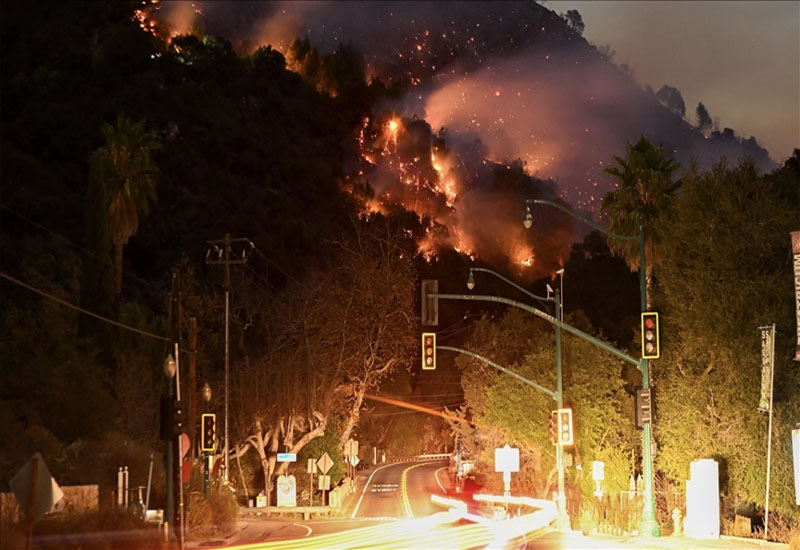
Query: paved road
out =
(402, 490)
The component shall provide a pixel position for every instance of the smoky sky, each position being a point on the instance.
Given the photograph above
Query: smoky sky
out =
(507, 84)
(740, 58)
(508, 73)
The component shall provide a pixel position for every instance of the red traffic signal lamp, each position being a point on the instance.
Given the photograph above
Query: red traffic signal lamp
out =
(428, 351)
(651, 344)
(565, 433)
(208, 442)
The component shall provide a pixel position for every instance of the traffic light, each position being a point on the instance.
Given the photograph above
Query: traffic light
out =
(173, 417)
(178, 418)
(644, 408)
(428, 351)
(565, 436)
(208, 441)
(430, 303)
(554, 427)
(651, 348)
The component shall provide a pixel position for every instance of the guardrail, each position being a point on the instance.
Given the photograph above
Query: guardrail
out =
(305, 510)
(439, 456)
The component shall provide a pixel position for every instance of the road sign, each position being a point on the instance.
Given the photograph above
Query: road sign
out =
(324, 483)
(287, 491)
(287, 457)
(325, 463)
(506, 459)
(312, 466)
(46, 492)
(354, 460)
(351, 448)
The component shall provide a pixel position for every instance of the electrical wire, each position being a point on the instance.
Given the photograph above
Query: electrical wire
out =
(87, 312)
(69, 242)
(279, 268)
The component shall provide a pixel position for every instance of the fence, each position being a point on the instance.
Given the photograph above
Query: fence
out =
(621, 512)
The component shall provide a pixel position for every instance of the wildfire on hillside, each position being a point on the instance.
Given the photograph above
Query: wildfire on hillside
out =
(464, 201)
(465, 193)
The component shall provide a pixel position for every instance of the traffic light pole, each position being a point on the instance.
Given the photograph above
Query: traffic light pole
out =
(649, 525)
(206, 476)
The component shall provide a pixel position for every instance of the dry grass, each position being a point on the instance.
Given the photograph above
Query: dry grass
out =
(780, 530)
(89, 531)
(217, 516)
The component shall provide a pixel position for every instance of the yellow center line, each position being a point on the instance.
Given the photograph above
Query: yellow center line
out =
(406, 503)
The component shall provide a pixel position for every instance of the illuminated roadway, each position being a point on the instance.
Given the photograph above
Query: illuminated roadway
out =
(402, 490)
(394, 510)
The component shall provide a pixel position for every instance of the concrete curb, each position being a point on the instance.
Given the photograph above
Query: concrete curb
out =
(760, 542)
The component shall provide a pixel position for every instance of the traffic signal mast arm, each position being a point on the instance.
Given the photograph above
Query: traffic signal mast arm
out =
(534, 385)
(541, 314)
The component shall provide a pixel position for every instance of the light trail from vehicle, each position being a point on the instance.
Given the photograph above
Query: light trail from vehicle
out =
(433, 532)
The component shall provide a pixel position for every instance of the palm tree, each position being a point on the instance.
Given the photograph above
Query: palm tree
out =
(125, 169)
(644, 190)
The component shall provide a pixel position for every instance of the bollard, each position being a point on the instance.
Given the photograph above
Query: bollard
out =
(676, 522)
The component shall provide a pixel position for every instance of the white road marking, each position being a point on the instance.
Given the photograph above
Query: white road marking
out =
(436, 475)
(363, 492)
(305, 527)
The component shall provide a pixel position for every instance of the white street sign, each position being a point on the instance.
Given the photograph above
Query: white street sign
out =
(506, 459)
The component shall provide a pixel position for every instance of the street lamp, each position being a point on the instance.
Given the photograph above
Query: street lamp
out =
(563, 517)
(649, 523)
(170, 368)
(206, 456)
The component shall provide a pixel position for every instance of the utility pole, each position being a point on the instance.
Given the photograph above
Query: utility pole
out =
(222, 248)
(177, 318)
(192, 391)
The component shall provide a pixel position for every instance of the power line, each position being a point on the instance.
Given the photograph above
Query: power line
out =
(254, 272)
(69, 242)
(87, 312)
(279, 268)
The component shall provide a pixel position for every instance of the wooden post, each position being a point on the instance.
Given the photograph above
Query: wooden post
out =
(32, 501)
(192, 390)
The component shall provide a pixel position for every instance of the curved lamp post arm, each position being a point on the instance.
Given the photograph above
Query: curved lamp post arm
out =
(540, 299)
(587, 221)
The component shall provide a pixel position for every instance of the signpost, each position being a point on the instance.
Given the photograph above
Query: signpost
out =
(311, 468)
(36, 491)
(506, 460)
(324, 464)
(598, 475)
